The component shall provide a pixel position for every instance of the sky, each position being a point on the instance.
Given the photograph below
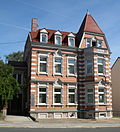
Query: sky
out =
(63, 15)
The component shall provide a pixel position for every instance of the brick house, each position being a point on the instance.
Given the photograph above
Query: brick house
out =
(68, 73)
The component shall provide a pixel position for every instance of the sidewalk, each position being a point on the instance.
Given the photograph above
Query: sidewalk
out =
(25, 122)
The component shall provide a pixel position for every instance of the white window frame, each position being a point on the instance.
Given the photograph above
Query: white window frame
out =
(89, 93)
(103, 93)
(88, 39)
(43, 86)
(91, 63)
(54, 73)
(42, 55)
(75, 67)
(43, 32)
(102, 65)
(69, 41)
(75, 93)
(56, 35)
(98, 43)
(59, 87)
(93, 40)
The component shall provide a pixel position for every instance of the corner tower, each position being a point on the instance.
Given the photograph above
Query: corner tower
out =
(94, 73)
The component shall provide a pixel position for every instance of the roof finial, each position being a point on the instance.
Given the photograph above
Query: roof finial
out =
(88, 12)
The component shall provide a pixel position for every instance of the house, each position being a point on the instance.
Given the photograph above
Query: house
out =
(116, 87)
(68, 74)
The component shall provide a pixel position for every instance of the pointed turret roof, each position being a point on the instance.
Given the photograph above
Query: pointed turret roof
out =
(89, 24)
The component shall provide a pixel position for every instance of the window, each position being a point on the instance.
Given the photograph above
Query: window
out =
(43, 36)
(89, 67)
(71, 94)
(94, 44)
(100, 66)
(18, 77)
(71, 41)
(58, 65)
(90, 96)
(42, 95)
(57, 39)
(71, 66)
(101, 95)
(88, 43)
(57, 96)
(43, 64)
(99, 43)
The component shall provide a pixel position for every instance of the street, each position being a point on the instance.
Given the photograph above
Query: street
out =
(116, 129)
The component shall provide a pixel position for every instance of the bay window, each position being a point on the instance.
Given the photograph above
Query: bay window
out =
(89, 66)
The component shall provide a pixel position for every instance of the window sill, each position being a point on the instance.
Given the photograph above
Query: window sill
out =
(72, 75)
(57, 74)
(41, 104)
(42, 73)
(72, 104)
(101, 74)
(57, 104)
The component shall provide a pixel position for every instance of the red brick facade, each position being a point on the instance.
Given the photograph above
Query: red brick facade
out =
(69, 74)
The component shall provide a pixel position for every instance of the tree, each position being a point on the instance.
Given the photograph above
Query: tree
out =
(8, 85)
(15, 56)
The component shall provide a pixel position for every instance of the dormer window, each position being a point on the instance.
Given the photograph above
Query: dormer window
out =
(71, 40)
(43, 36)
(58, 38)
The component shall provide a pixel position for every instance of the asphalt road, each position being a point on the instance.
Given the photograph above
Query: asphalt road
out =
(116, 129)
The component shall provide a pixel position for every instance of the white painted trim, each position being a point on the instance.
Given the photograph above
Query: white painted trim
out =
(75, 66)
(42, 86)
(32, 90)
(57, 35)
(33, 68)
(82, 40)
(34, 55)
(69, 41)
(32, 77)
(44, 55)
(33, 64)
(33, 59)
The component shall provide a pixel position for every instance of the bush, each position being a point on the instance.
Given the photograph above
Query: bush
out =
(1, 116)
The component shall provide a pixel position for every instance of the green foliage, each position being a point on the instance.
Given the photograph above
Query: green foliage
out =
(8, 85)
(1, 116)
(15, 56)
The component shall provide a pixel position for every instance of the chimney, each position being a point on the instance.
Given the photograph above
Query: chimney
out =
(34, 25)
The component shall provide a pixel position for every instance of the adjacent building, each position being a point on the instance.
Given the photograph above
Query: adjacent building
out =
(116, 87)
(68, 74)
